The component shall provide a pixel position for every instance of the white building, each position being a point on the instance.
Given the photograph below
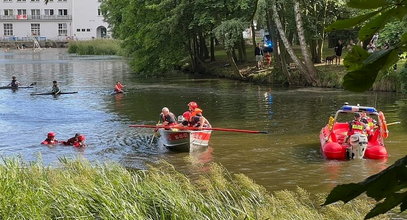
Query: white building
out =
(57, 20)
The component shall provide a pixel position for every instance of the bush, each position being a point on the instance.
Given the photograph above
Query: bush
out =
(95, 47)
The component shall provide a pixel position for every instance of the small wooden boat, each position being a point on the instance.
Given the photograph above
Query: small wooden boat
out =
(50, 93)
(370, 146)
(184, 140)
(19, 87)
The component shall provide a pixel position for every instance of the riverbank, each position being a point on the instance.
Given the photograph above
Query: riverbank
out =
(77, 189)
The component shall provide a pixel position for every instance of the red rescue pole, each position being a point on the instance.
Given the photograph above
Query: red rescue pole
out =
(196, 128)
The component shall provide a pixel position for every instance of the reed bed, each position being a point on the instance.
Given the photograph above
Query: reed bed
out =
(95, 47)
(75, 189)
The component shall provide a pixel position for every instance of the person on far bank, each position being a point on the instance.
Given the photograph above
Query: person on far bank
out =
(258, 52)
(338, 52)
(118, 88)
(55, 89)
(14, 83)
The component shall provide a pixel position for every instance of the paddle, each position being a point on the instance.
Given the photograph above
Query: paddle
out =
(394, 123)
(196, 128)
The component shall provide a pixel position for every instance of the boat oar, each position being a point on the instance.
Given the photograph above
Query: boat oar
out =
(394, 123)
(152, 137)
(196, 128)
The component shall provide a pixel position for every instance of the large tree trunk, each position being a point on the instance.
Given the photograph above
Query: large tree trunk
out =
(287, 44)
(312, 78)
(256, 3)
(243, 46)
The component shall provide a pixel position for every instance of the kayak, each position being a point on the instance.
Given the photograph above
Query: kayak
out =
(20, 87)
(50, 93)
(336, 145)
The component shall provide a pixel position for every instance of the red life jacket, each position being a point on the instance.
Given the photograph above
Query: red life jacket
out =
(49, 141)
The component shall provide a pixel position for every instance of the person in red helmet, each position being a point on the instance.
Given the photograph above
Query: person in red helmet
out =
(50, 140)
(118, 88)
(80, 142)
(192, 106)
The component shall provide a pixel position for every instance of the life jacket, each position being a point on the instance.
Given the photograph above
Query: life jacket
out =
(195, 120)
(356, 127)
(118, 88)
(170, 118)
(49, 141)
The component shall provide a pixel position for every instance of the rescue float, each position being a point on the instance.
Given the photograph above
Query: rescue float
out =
(334, 135)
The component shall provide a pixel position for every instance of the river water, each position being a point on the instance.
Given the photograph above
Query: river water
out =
(287, 157)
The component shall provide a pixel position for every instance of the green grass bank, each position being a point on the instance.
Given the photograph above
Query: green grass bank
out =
(95, 47)
(75, 189)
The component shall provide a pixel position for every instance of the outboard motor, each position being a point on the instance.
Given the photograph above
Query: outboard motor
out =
(358, 145)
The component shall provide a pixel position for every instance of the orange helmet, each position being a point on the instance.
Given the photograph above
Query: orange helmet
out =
(193, 105)
(198, 110)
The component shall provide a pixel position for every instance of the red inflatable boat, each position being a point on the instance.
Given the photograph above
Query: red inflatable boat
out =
(336, 145)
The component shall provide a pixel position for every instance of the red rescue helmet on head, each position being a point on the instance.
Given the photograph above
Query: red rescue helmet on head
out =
(186, 115)
(81, 138)
(51, 134)
(193, 105)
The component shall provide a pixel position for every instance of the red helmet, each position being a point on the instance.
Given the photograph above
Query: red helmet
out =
(51, 134)
(187, 115)
(81, 138)
(193, 105)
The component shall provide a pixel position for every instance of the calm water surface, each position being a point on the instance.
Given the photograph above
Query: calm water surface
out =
(287, 157)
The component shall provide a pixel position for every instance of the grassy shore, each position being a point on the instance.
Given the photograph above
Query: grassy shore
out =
(75, 189)
(95, 47)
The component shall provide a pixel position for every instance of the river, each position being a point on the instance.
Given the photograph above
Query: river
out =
(287, 157)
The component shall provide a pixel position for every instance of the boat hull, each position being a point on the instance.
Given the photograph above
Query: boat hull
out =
(50, 93)
(184, 140)
(334, 146)
(20, 87)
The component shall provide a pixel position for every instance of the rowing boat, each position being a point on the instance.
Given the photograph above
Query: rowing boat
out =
(184, 140)
(20, 87)
(50, 93)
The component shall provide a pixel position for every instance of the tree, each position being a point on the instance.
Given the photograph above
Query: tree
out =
(362, 67)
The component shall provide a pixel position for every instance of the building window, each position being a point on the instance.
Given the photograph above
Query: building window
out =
(7, 0)
(62, 11)
(35, 13)
(78, 30)
(62, 29)
(35, 29)
(49, 11)
(21, 11)
(88, 30)
(35, 0)
(8, 29)
(62, 0)
(20, 0)
(83, 30)
(99, 12)
(8, 12)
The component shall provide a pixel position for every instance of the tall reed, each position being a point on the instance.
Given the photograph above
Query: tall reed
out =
(75, 189)
(95, 47)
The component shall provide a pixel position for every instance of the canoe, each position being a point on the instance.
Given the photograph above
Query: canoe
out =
(369, 146)
(50, 93)
(184, 140)
(20, 87)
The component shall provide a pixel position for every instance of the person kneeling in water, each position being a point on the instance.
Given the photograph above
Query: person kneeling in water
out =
(76, 141)
(50, 140)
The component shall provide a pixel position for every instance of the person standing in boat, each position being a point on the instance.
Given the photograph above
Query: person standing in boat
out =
(356, 126)
(14, 83)
(50, 140)
(118, 88)
(55, 89)
(167, 118)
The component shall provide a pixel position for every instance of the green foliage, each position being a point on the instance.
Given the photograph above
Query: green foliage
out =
(403, 78)
(363, 69)
(95, 47)
(388, 186)
(77, 190)
(230, 32)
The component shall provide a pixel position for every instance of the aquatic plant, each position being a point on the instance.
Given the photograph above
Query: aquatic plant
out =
(95, 47)
(76, 189)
